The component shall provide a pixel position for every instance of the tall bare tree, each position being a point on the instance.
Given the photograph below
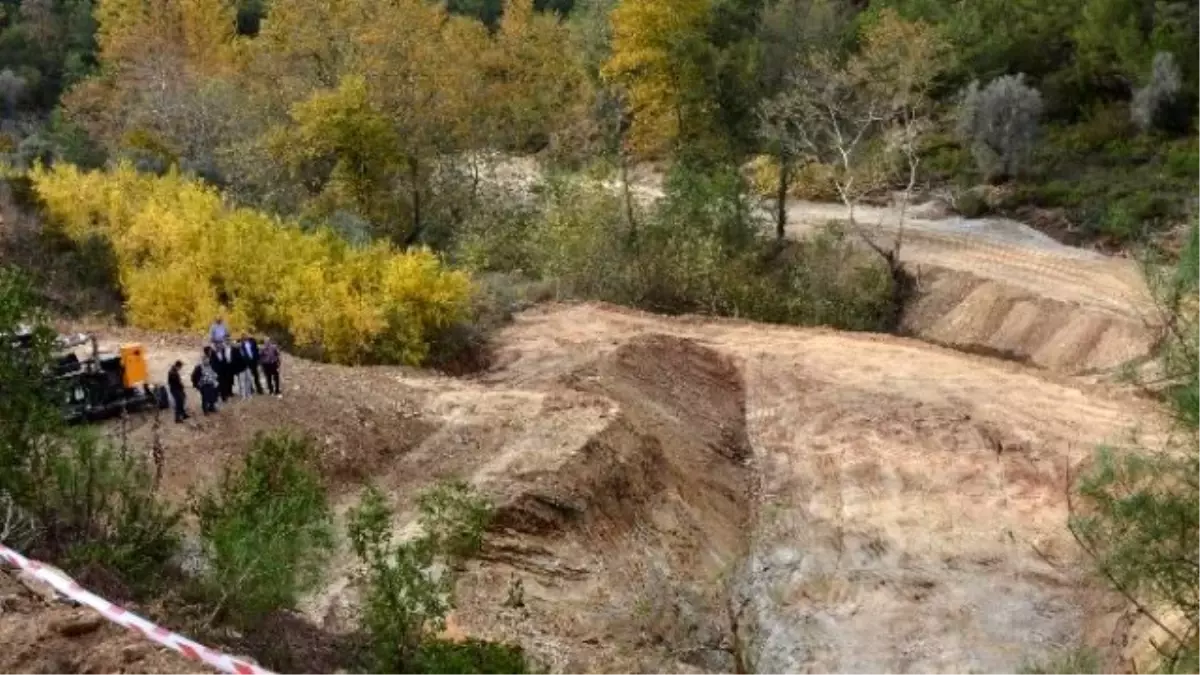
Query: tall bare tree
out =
(863, 116)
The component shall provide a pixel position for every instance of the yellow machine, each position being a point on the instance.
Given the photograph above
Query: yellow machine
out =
(101, 385)
(133, 366)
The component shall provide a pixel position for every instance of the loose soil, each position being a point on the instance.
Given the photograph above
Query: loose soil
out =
(42, 635)
(697, 495)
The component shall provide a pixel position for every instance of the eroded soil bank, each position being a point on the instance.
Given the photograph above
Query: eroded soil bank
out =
(695, 495)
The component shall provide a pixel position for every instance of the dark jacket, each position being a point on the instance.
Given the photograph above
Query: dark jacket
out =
(228, 365)
(237, 362)
(197, 376)
(174, 381)
(253, 357)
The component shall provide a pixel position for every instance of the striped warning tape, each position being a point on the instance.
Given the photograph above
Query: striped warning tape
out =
(123, 617)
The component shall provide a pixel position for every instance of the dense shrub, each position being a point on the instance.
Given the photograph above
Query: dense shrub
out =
(1103, 129)
(1139, 513)
(184, 257)
(1000, 122)
(700, 249)
(29, 416)
(97, 506)
(66, 496)
(266, 530)
(408, 586)
(1183, 160)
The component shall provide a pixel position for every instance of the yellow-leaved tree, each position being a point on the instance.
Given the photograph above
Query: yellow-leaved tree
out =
(341, 128)
(131, 32)
(421, 64)
(149, 97)
(535, 86)
(658, 58)
(185, 256)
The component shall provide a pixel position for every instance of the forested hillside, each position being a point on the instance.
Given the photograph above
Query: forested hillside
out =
(371, 115)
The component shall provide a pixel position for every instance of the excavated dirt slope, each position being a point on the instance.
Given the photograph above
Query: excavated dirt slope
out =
(694, 495)
(902, 490)
(998, 286)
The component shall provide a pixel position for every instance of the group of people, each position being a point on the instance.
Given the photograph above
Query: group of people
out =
(226, 362)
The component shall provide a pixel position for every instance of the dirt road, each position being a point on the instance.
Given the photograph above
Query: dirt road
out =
(990, 284)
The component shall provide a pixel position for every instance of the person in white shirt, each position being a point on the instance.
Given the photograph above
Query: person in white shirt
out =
(241, 370)
(218, 333)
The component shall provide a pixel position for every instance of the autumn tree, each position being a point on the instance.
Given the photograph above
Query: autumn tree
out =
(158, 58)
(861, 114)
(658, 60)
(337, 133)
(536, 89)
(200, 31)
(420, 63)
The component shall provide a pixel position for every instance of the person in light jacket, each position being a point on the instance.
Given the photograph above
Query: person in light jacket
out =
(252, 358)
(218, 333)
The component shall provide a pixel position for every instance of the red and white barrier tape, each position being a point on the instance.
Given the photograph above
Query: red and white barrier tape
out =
(121, 616)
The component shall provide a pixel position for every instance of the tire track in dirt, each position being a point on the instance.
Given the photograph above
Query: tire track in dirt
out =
(996, 285)
(903, 488)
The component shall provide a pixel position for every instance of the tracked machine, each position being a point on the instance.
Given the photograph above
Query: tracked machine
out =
(97, 385)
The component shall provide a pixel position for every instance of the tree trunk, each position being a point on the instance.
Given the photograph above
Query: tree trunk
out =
(781, 198)
(628, 194)
(414, 181)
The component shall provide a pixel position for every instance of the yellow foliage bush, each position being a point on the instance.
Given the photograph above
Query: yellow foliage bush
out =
(184, 257)
(811, 181)
(814, 182)
(762, 174)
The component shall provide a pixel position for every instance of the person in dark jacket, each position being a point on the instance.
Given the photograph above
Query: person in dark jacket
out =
(178, 395)
(227, 363)
(252, 357)
(270, 366)
(205, 380)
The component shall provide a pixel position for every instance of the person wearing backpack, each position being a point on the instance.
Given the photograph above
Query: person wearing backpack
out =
(204, 379)
(269, 358)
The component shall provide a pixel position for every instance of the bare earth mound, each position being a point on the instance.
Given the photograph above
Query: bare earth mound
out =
(997, 286)
(40, 635)
(697, 495)
(903, 489)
